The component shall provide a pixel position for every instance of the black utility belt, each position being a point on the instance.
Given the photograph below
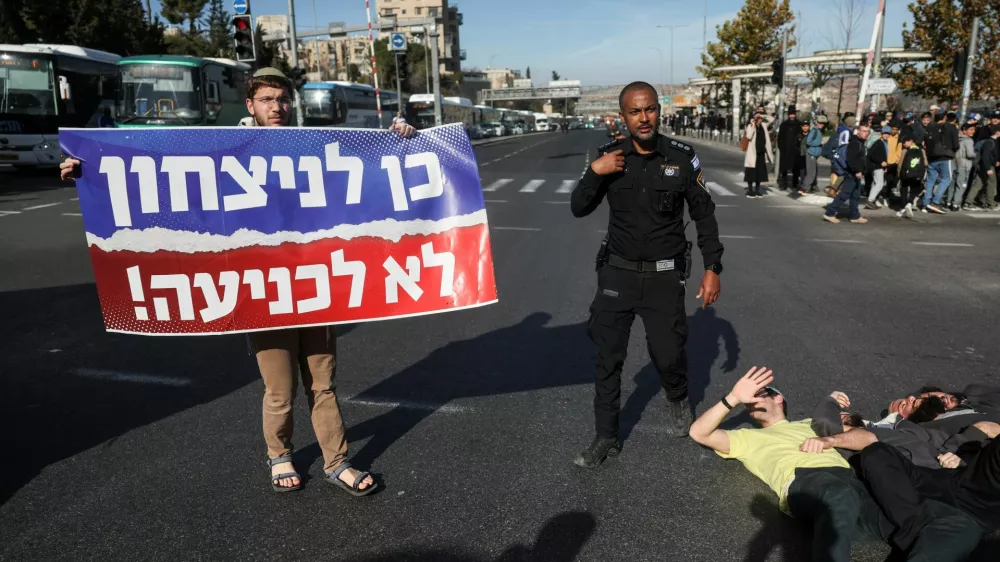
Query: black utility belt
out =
(675, 264)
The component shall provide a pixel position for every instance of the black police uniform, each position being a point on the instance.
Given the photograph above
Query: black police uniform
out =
(645, 272)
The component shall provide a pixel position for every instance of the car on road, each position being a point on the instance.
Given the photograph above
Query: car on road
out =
(497, 128)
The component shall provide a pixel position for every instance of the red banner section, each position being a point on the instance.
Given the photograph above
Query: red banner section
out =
(263, 287)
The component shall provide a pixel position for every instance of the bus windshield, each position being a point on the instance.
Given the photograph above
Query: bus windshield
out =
(421, 115)
(320, 108)
(159, 93)
(26, 86)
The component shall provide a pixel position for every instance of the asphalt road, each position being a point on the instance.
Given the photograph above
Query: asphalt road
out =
(136, 448)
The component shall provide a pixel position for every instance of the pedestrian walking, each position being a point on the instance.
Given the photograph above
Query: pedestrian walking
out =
(286, 355)
(759, 152)
(789, 146)
(964, 159)
(912, 168)
(941, 144)
(850, 189)
(877, 163)
(813, 142)
(644, 263)
(985, 170)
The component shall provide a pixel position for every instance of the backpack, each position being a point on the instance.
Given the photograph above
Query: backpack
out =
(979, 154)
(913, 165)
(830, 148)
(837, 155)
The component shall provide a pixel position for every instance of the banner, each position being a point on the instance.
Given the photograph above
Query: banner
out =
(237, 229)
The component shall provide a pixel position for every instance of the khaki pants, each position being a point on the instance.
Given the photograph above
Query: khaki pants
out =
(309, 352)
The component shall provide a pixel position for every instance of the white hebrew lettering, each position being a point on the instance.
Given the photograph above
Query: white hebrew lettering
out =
(253, 194)
(316, 196)
(435, 184)
(354, 167)
(406, 279)
(283, 279)
(356, 269)
(181, 285)
(444, 260)
(135, 287)
(286, 171)
(321, 275)
(177, 169)
(114, 168)
(255, 278)
(149, 198)
(391, 165)
(215, 307)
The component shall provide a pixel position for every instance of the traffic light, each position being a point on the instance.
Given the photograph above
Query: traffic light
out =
(958, 68)
(402, 69)
(298, 78)
(778, 67)
(243, 37)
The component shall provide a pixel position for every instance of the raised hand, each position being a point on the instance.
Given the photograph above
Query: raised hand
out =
(750, 384)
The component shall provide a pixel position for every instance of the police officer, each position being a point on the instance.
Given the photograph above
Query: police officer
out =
(644, 263)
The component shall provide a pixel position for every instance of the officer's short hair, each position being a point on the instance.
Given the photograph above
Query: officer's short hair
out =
(639, 85)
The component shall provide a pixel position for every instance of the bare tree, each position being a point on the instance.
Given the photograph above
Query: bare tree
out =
(846, 17)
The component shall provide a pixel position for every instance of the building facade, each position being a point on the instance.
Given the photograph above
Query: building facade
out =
(450, 54)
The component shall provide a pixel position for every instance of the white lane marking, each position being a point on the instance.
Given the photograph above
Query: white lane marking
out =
(974, 215)
(75, 199)
(719, 190)
(41, 206)
(72, 214)
(737, 237)
(566, 187)
(496, 200)
(442, 408)
(497, 185)
(532, 186)
(947, 244)
(557, 202)
(797, 207)
(837, 241)
(519, 228)
(138, 378)
(725, 206)
(5, 213)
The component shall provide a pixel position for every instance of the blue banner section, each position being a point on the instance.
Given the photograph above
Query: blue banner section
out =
(220, 180)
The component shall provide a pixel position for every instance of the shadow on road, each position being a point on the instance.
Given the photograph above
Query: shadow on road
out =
(778, 532)
(565, 155)
(524, 357)
(560, 540)
(66, 385)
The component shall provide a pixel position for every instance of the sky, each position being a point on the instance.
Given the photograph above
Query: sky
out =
(600, 41)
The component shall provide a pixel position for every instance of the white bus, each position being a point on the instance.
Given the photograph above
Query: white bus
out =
(44, 87)
(420, 111)
(346, 104)
(541, 122)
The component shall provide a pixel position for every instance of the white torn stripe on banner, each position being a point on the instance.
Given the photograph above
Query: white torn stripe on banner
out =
(162, 239)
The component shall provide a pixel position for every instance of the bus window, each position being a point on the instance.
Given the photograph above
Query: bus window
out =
(175, 90)
(27, 86)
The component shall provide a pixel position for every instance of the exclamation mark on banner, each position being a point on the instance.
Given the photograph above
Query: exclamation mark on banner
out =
(135, 284)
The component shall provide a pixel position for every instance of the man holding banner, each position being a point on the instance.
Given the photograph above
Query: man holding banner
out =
(280, 353)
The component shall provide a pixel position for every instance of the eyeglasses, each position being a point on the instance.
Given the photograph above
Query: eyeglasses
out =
(283, 101)
(767, 391)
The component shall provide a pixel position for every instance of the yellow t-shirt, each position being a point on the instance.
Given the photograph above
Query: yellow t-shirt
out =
(772, 454)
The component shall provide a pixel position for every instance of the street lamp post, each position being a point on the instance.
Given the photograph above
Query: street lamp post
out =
(662, 86)
(671, 28)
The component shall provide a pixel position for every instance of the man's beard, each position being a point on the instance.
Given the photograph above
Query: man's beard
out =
(262, 121)
(652, 133)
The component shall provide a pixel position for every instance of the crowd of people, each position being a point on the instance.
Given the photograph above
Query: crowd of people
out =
(924, 477)
(911, 163)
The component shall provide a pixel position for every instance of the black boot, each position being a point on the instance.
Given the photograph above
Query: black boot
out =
(679, 418)
(599, 449)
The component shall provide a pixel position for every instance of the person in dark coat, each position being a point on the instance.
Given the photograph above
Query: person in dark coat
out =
(789, 145)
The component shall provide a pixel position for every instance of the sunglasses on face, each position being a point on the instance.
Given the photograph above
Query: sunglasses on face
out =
(766, 391)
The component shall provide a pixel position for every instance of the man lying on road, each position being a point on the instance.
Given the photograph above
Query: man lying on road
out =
(821, 487)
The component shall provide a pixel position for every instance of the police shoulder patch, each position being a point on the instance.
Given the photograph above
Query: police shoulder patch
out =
(681, 146)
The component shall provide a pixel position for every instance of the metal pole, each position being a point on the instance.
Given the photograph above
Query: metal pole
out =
(427, 66)
(779, 114)
(877, 61)
(737, 105)
(704, 31)
(871, 59)
(967, 87)
(399, 87)
(438, 119)
(663, 88)
(671, 28)
(316, 43)
(371, 41)
(295, 60)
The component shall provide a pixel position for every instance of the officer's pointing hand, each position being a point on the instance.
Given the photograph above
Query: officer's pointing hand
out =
(710, 288)
(610, 163)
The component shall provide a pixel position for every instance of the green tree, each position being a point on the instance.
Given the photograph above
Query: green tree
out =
(179, 11)
(353, 72)
(555, 75)
(188, 44)
(220, 37)
(944, 29)
(116, 26)
(269, 54)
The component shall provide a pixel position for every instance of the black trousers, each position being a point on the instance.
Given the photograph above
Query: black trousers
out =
(840, 510)
(658, 298)
(903, 489)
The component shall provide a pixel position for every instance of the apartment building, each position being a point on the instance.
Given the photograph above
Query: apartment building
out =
(449, 24)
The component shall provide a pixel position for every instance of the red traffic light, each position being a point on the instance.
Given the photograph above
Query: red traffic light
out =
(241, 23)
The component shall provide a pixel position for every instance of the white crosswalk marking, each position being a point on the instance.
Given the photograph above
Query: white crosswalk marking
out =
(532, 186)
(566, 187)
(719, 190)
(497, 185)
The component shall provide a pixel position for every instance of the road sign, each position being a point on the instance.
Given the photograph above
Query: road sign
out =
(397, 42)
(336, 27)
(241, 7)
(882, 86)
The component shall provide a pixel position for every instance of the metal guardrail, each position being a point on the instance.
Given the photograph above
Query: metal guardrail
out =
(717, 135)
(511, 94)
